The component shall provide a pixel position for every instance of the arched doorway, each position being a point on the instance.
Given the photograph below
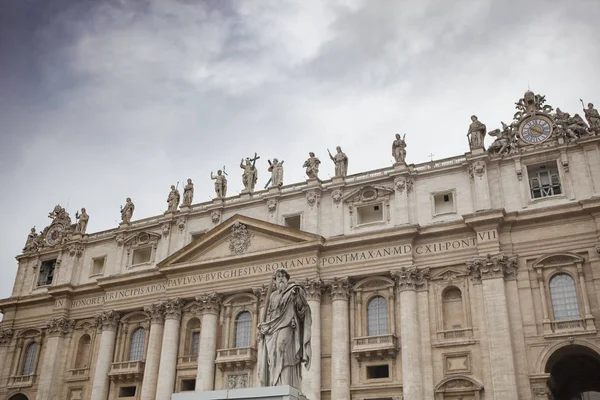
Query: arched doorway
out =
(18, 396)
(575, 373)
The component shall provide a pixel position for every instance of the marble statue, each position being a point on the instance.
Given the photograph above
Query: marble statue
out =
(127, 211)
(399, 149)
(506, 140)
(220, 183)
(173, 199)
(284, 334)
(82, 221)
(340, 160)
(32, 240)
(276, 170)
(570, 127)
(250, 175)
(312, 166)
(188, 193)
(593, 118)
(476, 133)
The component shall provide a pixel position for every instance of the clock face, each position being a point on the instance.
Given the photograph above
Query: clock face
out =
(54, 234)
(535, 130)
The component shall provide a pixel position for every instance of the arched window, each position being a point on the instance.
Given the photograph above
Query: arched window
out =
(192, 341)
(136, 345)
(377, 316)
(564, 297)
(243, 323)
(83, 351)
(29, 360)
(452, 309)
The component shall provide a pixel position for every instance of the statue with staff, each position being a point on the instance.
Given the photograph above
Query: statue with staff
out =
(127, 211)
(188, 193)
(399, 149)
(592, 116)
(276, 170)
(250, 175)
(82, 221)
(284, 333)
(340, 160)
(173, 199)
(220, 183)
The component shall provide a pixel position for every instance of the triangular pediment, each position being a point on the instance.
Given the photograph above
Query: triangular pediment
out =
(448, 274)
(240, 236)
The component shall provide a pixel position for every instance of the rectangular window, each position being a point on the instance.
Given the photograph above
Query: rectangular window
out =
(369, 214)
(127, 391)
(293, 221)
(97, 266)
(544, 180)
(443, 203)
(46, 273)
(141, 256)
(378, 371)
(188, 385)
(195, 343)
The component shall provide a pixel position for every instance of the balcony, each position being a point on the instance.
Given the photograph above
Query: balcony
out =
(568, 325)
(20, 381)
(78, 374)
(127, 371)
(187, 362)
(455, 334)
(375, 347)
(236, 359)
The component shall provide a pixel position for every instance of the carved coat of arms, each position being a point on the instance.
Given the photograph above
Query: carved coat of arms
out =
(240, 238)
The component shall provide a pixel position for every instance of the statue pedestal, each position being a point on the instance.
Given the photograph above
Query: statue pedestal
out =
(262, 393)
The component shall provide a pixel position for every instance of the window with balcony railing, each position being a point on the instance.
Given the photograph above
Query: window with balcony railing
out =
(377, 316)
(243, 325)
(29, 360)
(563, 295)
(136, 344)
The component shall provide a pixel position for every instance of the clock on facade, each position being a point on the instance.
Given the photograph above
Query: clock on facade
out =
(535, 130)
(54, 235)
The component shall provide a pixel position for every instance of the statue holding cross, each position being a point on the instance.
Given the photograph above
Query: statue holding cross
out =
(250, 174)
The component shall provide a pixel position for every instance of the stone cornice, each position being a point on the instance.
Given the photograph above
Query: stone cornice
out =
(173, 308)
(314, 288)
(493, 266)
(410, 278)
(339, 288)
(6, 336)
(59, 326)
(209, 303)
(108, 320)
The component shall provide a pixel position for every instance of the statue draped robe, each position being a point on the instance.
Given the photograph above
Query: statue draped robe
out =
(286, 343)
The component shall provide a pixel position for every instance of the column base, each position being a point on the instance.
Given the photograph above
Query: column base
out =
(262, 393)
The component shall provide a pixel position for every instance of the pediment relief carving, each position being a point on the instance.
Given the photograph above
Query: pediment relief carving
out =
(448, 274)
(142, 239)
(367, 194)
(374, 283)
(238, 299)
(459, 383)
(29, 333)
(558, 259)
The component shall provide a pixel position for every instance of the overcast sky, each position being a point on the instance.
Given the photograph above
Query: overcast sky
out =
(105, 99)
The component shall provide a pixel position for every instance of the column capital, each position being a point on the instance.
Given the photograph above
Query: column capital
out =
(493, 266)
(156, 312)
(59, 326)
(409, 278)
(6, 335)
(260, 293)
(107, 320)
(314, 288)
(173, 308)
(339, 288)
(209, 302)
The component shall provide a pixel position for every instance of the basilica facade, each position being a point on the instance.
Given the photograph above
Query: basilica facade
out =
(475, 277)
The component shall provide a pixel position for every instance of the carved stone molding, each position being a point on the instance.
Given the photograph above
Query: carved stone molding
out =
(240, 238)
(272, 205)
(156, 312)
(410, 278)
(76, 250)
(108, 320)
(314, 288)
(166, 229)
(173, 308)
(59, 326)
(215, 216)
(337, 195)
(181, 221)
(313, 197)
(209, 302)
(477, 169)
(339, 288)
(5, 336)
(260, 293)
(493, 266)
(597, 248)
(399, 185)
(237, 381)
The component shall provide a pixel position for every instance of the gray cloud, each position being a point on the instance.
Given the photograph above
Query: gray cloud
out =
(107, 99)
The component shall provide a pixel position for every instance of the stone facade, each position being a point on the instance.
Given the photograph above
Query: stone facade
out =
(429, 281)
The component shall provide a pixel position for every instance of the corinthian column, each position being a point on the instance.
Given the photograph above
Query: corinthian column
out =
(168, 354)
(156, 314)
(407, 280)
(56, 329)
(311, 382)
(492, 270)
(207, 352)
(340, 339)
(107, 321)
(6, 336)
